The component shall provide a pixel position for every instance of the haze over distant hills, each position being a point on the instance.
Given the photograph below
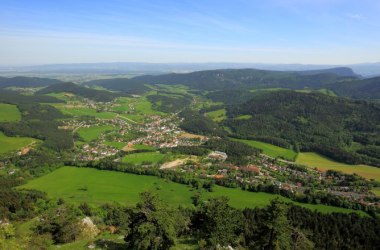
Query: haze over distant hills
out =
(363, 69)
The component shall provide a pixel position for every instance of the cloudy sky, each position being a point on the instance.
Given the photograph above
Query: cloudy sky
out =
(257, 31)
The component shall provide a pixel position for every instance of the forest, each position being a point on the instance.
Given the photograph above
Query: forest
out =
(311, 122)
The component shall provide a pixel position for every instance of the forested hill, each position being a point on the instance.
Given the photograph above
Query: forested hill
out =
(245, 79)
(26, 82)
(93, 94)
(340, 71)
(358, 89)
(312, 122)
(120, 84)
(38, 120)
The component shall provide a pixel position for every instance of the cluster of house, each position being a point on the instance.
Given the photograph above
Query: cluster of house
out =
(95, 152)
(163, 132)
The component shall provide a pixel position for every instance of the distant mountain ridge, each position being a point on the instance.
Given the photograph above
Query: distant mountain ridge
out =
(28, 82)
(248, 78)
(120, 84)
(364, 69)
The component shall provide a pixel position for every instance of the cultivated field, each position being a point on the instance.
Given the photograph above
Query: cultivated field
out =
(270, 149)
(9, 144)
(9, 113)
(101, 186)
(323, 163)
(140, 158)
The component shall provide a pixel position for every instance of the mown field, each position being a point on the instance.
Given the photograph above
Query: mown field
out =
(139, 158)
(324, 163)
(270, 149)
(100, 186)
(92, 133)
(9, 113)
(9, 144)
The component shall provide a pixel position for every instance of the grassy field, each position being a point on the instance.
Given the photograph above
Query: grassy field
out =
(100, 186)
(323, 163)
(270, 149)
(217, 115)
(376, 191)
(9, 144)
(243, 117)
(83, 111)
(139, 158)
(92, 133)
(9, 113)
(116, 144)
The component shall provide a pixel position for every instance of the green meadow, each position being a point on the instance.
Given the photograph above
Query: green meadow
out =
(324, 163)
(92, 133)
(140, 158)
(101, 186)
(376, 191)
(217, 115)
(9, 113)
(270, 149)
(243, 117)
(116, 144)
(83, 111)
(9, 144)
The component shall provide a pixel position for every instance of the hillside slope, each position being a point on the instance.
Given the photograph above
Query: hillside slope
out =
(120, 84)
(312, 122)
(93, 94)
(358, 89)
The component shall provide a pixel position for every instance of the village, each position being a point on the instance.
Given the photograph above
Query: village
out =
(158, 132)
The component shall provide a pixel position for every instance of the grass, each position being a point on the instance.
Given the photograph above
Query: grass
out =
(9, 113)
(270, 149)
(92, 133)
(139, 158)
(243, 117)
(217, 115)
(9, 144)
(83, 111)
(322, 91)
(267, 89)
(144, 106)
(101, 186)
(324, 163)
(376, 191)
(116, 144)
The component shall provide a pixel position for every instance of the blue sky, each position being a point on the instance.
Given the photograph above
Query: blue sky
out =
(258, 31)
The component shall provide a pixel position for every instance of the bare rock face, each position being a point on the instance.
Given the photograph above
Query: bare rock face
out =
(89, 229)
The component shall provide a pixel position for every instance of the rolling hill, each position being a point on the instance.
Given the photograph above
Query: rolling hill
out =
(93, 94)
(312, 122)
(26, 82)
(245, 79)
(358, 89)
(120, 84)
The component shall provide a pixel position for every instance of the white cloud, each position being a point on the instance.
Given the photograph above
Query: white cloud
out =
(355, 16)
